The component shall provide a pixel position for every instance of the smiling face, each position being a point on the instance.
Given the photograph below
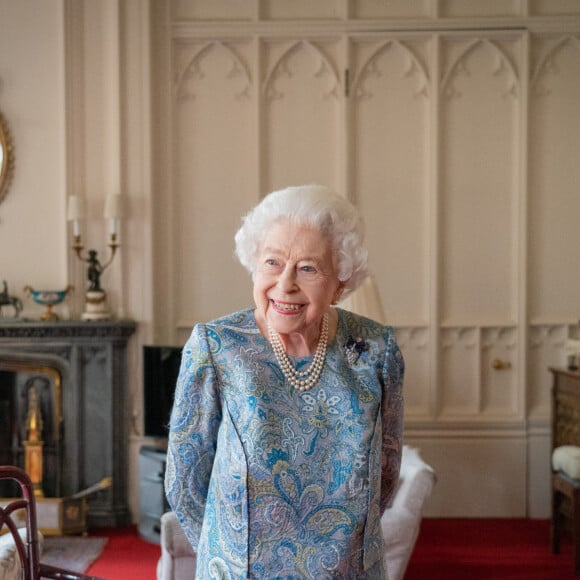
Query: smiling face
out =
(295, 281)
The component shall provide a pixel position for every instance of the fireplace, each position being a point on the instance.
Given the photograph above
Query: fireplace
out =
(31, 421)
(74, 376)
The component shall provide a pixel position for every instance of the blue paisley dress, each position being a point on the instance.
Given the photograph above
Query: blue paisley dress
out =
(272, 483)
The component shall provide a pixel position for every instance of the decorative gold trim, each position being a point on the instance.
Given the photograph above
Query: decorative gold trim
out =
(32, 367)
(56, 516)
(7, 158)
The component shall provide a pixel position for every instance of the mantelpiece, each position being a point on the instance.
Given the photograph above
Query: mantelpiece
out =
(91, 360)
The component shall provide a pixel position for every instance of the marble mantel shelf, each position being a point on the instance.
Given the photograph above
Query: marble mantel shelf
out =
(29, 328)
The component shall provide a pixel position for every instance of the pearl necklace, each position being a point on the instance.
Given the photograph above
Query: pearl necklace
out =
(298, 378)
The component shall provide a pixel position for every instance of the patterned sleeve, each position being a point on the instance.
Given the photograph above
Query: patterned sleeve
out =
(193, 428)
(392, 420)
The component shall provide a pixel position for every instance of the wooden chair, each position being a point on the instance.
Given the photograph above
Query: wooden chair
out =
(27, 546)
(565, 440)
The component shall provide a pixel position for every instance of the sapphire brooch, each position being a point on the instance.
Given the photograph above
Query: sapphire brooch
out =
(354, 348)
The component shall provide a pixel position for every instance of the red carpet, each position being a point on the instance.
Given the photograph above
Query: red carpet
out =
(126, 556)
(447, 549)
(488, 549)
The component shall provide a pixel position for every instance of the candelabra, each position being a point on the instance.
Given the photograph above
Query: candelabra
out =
(95, 296)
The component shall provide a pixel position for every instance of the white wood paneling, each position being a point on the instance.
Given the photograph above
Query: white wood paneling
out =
(546, 348)
(553, 7)
(394, 8)
(459, 392)
(301, 113)
(458, 144)
(476, 8)
(481, 469)
(554, 275)
(499, 373)
(213, 130)
(301, 9)
(479, 159)
(202, 10)
(390, 129)
(414, 343)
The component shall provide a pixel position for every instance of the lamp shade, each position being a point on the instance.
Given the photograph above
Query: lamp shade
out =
(75, 208)
(114, 206)
(366, 301)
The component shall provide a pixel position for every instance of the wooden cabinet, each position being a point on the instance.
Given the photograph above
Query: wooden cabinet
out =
(565, 407)
(566, 431)
(153, 503)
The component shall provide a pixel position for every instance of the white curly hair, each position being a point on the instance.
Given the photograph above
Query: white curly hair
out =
(311, 206)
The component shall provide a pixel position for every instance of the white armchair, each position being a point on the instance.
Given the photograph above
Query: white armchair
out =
(400, 524)
(177, 560)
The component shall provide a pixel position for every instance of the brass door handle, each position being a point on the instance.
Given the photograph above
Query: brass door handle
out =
(499, 364)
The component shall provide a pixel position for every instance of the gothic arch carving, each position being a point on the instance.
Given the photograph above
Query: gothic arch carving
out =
(503, 63)
(192, 70)
(412, 65)
(281, 68)
(547, 64)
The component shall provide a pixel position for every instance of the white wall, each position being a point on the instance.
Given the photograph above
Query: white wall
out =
(32, 100)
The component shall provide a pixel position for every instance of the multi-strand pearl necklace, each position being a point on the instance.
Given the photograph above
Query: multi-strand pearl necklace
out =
(298, 378)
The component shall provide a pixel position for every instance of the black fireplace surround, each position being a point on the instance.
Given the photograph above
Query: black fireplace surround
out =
(89, 360)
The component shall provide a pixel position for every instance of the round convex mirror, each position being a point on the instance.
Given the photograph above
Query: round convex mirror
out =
(6, 158)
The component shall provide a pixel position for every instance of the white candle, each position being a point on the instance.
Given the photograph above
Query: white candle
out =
(75, 210)
(113, 211)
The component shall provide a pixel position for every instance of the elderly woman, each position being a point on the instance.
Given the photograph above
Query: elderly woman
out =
(285, 436)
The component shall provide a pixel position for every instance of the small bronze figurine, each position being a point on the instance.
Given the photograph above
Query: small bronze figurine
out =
(94, 272)
(7, 300)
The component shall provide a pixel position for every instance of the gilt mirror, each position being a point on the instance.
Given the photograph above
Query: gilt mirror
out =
(6, 158)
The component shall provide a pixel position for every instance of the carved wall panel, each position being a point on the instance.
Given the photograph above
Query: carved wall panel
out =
(471, 8)
(459, 386)
(552, 7)
(214, 136)
(390, 101)
(546, 348)
(204, 10)
(500, 373)
(300, 9)
(414, 344)
(392, 9)
(554, 275)
(395, 10)
(479, 169)
(479, 373)
(302, 95)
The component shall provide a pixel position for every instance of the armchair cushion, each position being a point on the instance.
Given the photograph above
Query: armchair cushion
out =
(566, 459)
(10, 565)
(401, 522)
(177, 556)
